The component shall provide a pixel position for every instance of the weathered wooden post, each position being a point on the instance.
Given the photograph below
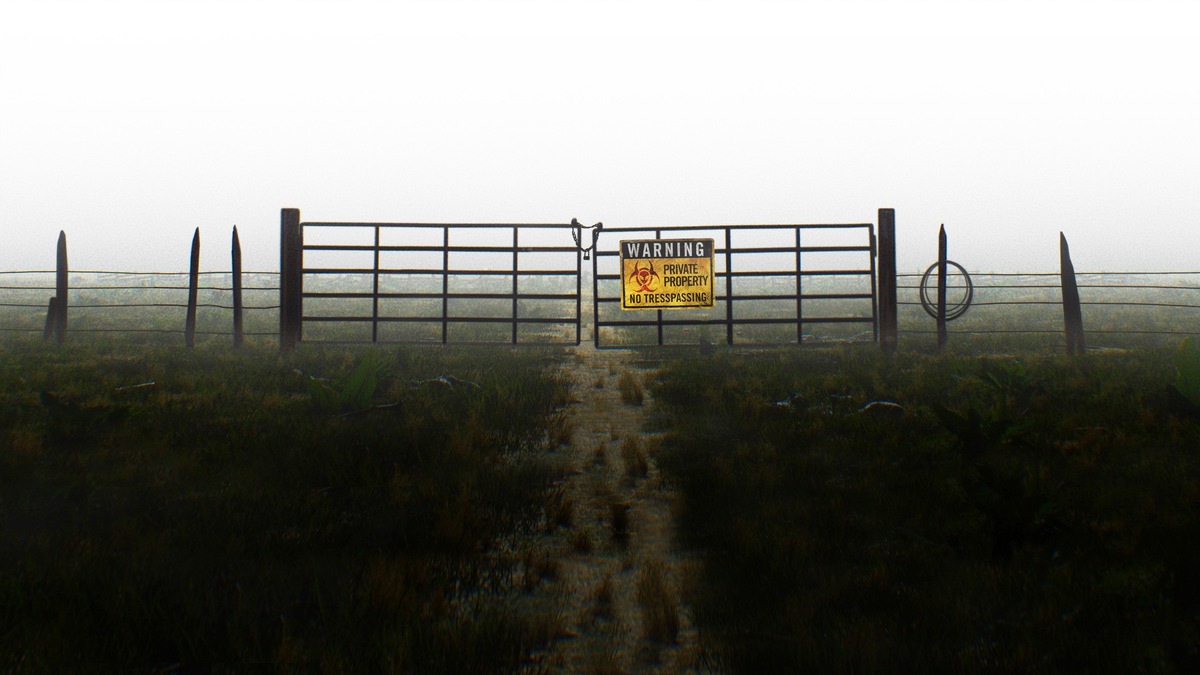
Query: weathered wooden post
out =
(887, 280)
(189, 330)
(1072, 314)
(238, 334)
(941, 288)
(291, 278)
(61, 287)
(51, 318)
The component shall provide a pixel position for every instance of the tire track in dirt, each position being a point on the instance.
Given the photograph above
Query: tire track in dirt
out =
(620, 537)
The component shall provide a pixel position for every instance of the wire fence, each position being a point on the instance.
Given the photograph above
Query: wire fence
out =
(1164, 304)
(102, 298)
(1116, 304)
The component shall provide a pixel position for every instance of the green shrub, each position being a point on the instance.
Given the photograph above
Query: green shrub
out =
(354, 391)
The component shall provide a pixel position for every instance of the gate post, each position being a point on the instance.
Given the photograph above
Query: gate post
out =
(291, 278)
(887, 280)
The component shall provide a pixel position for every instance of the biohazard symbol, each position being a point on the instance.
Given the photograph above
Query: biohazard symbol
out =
(646, 279)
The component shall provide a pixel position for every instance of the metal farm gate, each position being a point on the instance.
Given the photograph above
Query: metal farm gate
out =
(522, 284)
(770, 284)
(428, 283)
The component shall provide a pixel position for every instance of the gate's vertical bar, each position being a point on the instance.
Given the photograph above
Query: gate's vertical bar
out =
(1072, 313)
(657, 235)
(291, 279)
(189, 327)
(887, 280)
(61, 288)
(516, 280)
(445, 283)
(874, 287)
(236, 270)
(596, 297)
(941, 288)
(799, 292)
(375, 292)
(729, 286)
(579, 294)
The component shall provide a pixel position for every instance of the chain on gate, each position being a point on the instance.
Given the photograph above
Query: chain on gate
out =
(577, 229)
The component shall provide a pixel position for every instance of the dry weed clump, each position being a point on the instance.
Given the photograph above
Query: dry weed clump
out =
(560, 509)
(603, 599)
(561, 431)
(539, 565)
(582, 541)
(633, 455)
(600, 454)
(631, 390)
(660, 613)
(618, 518)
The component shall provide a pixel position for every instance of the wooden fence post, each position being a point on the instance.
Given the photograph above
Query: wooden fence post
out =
(941, 288)
(238, 334)
(51, 318)
(61, 287)
(291, 278)
(189, 329)
(887, 280)
(1072, 314)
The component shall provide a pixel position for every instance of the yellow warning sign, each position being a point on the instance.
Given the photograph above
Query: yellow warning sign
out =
(667, 274)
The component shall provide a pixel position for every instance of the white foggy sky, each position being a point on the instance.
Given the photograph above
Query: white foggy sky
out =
(129, 124)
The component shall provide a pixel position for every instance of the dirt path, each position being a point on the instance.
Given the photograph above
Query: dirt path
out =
(617, 575)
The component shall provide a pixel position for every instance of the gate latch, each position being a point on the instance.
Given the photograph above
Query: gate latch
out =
(577, 229)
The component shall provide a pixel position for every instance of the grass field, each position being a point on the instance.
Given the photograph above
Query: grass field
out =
(998, 514)
(999, 508)
(160, 507)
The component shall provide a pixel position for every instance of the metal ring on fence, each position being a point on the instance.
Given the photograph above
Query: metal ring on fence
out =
(953, 311)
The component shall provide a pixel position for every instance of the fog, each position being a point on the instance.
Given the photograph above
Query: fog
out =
(129, 124)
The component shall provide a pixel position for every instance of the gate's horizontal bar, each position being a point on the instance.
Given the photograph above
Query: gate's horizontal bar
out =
(836, 296)
(762, 226)
(438, 272)
(718, 251)
(784, 273)
(565, 342)
(451, 296)
(438, 319)
(792, 249)
(735, 322)
(440, 249)
(793, 297)
(441, 225)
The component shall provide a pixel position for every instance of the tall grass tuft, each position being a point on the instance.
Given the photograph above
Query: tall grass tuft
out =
(633, 456)
(660, 612)
(631, 390)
